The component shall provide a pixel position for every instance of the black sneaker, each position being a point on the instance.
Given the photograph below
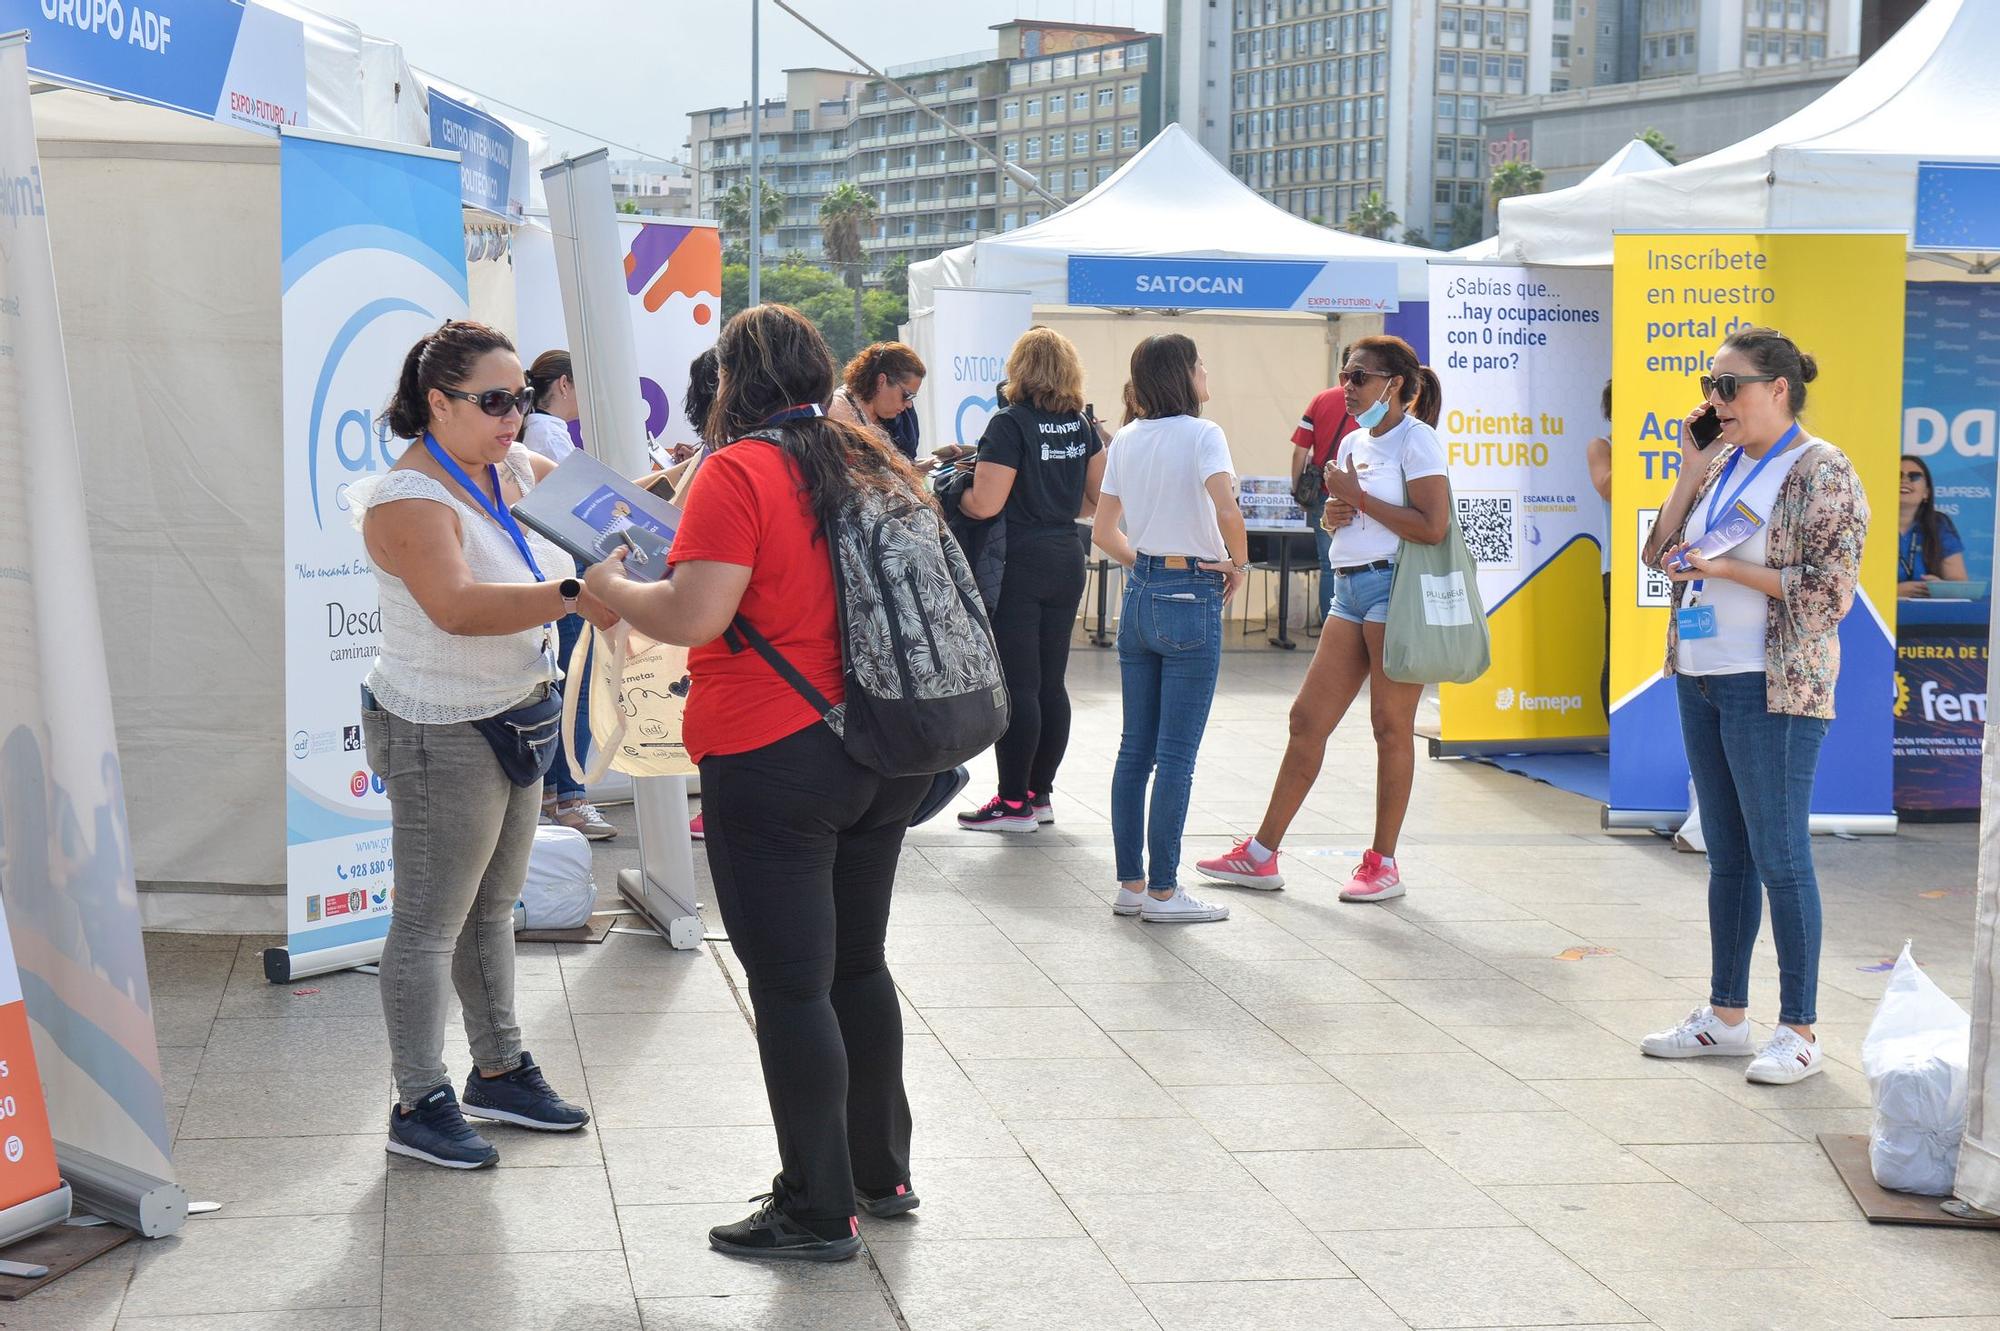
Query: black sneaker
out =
(522, 1096)
(898, 1200)
(1045, 809)
(998, 815)
(769, 1232)
(436, 1133)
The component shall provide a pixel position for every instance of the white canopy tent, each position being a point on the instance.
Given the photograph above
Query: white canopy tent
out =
(1636, 155)
(1848, 161)
(1171, 200)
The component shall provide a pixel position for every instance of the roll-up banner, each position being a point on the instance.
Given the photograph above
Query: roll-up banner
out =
(673, 288)
(591, 269)
(1523, 354)
(1951, 399)
(374, 258)
(971, 331)
(76, 1012)
(1677, 297)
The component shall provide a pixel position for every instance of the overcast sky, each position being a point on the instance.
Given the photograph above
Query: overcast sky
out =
(631, 70)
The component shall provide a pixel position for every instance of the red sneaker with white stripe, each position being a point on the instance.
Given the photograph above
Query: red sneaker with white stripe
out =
(1375, 880)
(1240, 868)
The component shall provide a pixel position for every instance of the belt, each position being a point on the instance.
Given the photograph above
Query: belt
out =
(1381, 564)
(1188, 563)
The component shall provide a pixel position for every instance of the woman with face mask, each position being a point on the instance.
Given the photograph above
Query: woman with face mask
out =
(1388, 487)
(1754, 641)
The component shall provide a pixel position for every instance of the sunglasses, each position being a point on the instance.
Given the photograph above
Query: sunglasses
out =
(1724, 386)
(1914, 476)
(495, 401)
(909, 394)
(1354, 377)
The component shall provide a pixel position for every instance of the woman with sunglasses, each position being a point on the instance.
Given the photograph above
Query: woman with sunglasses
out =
(467, 598)
(1754, 642)
(878, 392)
(1928, 546)
(1388, 487)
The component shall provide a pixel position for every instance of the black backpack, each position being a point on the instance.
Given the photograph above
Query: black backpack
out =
(924, 687)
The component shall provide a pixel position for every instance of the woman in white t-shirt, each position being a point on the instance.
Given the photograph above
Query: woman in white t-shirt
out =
(1388, 487)
(1170, 479)
(545, 430)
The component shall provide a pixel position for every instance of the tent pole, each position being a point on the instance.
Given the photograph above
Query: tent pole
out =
(756, 157)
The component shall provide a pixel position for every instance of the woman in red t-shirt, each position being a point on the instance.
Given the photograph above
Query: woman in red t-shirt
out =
(802, 841)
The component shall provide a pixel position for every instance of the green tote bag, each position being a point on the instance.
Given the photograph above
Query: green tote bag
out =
(1437, 624)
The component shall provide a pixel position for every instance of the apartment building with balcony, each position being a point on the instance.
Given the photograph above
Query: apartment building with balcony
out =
(1679, 37)
(805, 146)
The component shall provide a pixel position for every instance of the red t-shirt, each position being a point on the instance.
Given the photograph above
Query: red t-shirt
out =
(1324, 425)
(747, 507)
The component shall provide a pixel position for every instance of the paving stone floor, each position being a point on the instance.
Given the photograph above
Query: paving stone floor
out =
(1311, 1116)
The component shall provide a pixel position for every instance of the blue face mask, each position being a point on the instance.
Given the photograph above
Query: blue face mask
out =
(1372, 417)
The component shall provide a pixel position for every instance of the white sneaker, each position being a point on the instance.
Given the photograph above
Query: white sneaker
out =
(581, 816)
(1180, 908)
(1789, 1057)
(1702, 1034)
(1128, 902)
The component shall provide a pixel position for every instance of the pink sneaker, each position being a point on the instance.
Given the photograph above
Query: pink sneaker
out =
(1241, 868)
(1375, 880)
(694, 828)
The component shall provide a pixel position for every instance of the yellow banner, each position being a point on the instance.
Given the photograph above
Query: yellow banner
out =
(1676, 298)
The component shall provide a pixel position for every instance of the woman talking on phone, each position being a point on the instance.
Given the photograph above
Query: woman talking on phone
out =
(1389, 488)
(1763, 536)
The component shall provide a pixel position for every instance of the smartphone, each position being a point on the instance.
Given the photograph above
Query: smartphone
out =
(1705, 428)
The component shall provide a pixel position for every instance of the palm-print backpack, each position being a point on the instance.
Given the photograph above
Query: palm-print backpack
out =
(924, 688)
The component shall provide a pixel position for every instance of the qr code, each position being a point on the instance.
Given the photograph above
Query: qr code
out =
(1655, 588)
(1488, 523)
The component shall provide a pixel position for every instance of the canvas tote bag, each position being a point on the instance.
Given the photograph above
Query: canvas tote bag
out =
(1437, 623)
(638, 696)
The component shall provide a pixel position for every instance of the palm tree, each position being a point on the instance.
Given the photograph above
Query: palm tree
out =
(1657, 141)
(1467, 225)
(1374, 218)
(733, 210)
(1514, 179)
(844, 216)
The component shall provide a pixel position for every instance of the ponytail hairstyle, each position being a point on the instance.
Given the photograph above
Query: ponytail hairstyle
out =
(890, 358)
(771, 358)
(548, 369)
(443, 359)
(1423, 395)
(1162, 382)
(1774, 353)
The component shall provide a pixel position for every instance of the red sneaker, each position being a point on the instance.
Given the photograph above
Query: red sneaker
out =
(1241, 868)
(694, 828)
(1375, 880)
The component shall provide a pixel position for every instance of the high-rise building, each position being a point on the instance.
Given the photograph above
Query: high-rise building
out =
(1335, 101)
(1717, 36)
(805, 150)
(1195, 88)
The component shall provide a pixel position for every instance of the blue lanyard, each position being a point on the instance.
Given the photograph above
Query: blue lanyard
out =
(493, 507)
(799, 413)
(1718, 505)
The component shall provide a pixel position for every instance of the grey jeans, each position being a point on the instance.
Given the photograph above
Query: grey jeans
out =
(462, 836)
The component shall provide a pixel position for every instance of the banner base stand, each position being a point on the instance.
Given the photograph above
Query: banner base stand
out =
(150, 1207)
(33, 1216)
(1501, 748)
(1822, 824)
(682, 931)
(282, 965)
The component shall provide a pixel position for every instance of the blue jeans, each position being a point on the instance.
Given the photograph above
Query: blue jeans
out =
(1169, 650)
(559, 782)
(1753, 775)
(1324, 540)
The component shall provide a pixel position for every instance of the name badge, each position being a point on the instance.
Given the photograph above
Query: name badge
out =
(1696, 621)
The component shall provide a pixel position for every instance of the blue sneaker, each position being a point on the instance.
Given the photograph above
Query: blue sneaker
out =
(522, 1097)
(436, 1133)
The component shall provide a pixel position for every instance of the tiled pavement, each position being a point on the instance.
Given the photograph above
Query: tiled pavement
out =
(1312, 1116)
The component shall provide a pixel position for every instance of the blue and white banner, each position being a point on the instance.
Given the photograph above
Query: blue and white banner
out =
(374, 258)
(492, 162)
(223, 60)
(1958, 206)
(971, 331)
(1342, 286)
(1951, 404)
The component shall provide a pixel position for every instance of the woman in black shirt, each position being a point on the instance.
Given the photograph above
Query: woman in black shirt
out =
(1040, 462)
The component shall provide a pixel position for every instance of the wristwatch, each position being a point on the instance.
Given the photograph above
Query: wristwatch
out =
(1244, 569)
(569, 589)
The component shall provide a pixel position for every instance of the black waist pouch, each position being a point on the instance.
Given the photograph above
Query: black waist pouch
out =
(524, 740)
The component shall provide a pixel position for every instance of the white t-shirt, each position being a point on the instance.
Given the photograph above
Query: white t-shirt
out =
(1742, 614)
(1159, 470)
(548, 435)
(1386, 464)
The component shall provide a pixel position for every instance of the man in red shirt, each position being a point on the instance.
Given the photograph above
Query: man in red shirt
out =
(1314, 444)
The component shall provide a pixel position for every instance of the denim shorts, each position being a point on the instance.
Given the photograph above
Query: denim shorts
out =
(1362, 598)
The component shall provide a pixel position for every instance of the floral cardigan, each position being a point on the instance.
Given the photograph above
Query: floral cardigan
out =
(1818, 526)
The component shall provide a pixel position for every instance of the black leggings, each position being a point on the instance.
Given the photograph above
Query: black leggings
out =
(802, 843)
(1039, 594)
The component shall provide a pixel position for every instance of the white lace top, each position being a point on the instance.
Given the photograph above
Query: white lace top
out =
(434, 678)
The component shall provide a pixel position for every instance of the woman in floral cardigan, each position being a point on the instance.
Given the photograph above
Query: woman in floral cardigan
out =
(1754, 641)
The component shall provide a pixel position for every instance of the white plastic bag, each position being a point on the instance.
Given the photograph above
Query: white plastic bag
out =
(1916, 1055)
(559, 892)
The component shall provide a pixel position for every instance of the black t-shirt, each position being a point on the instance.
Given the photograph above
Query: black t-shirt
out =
(1050, 453)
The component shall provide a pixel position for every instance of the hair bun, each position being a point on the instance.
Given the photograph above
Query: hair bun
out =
(1808, 367)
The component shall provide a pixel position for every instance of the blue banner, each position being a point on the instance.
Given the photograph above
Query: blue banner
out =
(1336, 287)
(1941, 654)
(1951, 397)
(488, 153)
(218, 59)
(1958, 206)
